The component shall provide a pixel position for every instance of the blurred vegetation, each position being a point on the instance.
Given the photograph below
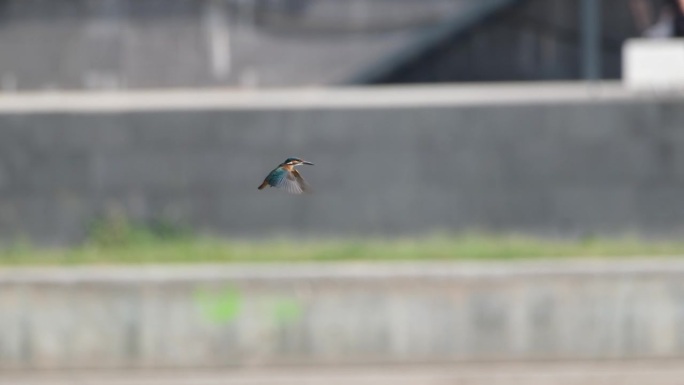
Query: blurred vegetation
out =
(116, 240)
(116, 231)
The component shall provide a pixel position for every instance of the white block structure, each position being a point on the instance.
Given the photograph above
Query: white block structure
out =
(653, 64)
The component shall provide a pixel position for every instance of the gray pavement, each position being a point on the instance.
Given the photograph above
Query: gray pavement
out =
(583, 373)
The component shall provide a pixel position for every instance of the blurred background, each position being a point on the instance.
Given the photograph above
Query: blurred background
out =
(497, 191)
(116, 44)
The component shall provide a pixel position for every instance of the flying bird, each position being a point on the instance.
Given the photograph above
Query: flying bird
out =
(286, 177)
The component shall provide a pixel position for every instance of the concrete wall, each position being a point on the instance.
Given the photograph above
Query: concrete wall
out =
(529, 40)
(546, 159)
(333, 314)
(133, 44)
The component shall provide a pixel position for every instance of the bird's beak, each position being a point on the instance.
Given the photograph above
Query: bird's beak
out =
(309, 163)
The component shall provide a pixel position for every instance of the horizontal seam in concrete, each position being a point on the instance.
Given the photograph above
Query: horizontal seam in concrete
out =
(339, 272)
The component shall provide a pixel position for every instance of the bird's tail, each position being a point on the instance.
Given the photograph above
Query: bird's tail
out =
(264, 184)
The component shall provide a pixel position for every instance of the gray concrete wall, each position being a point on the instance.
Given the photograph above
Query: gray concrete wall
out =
(552, 159)
(532, 39)
(265, 315)
(133, 44)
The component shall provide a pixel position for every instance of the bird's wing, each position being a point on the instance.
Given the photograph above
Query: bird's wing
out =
(301, 182)
(288, 181)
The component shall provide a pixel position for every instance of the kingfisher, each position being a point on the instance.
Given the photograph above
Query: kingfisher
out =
(285, 176)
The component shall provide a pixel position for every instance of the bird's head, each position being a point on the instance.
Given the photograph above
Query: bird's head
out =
(295, 162)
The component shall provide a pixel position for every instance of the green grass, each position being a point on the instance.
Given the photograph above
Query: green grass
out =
(203, 250)
(117, 241)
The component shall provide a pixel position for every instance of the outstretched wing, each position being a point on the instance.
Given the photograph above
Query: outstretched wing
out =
(301, 182)
(291, 182)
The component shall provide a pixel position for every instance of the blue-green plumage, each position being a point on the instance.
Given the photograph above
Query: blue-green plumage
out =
(286, 177)
(275, 177)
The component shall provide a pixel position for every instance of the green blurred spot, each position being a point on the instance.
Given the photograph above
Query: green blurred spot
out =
(221, 307)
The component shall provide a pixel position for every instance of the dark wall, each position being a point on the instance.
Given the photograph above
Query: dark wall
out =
(122, 44)
(530, 40)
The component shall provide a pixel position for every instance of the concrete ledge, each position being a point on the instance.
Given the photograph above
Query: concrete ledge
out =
(314, 98)
(537, 373)
(333, 314)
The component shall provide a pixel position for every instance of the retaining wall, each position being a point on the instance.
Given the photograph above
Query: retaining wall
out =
(155, 317)
(544, 159)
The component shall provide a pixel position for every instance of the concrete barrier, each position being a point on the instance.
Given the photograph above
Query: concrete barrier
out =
(545, 159)
(264, 315)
